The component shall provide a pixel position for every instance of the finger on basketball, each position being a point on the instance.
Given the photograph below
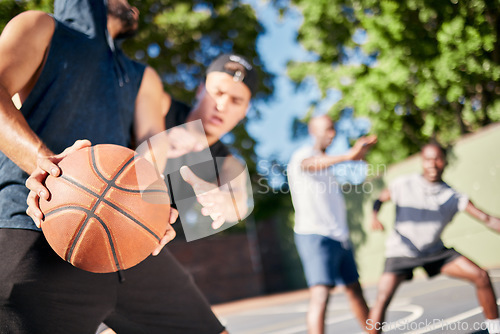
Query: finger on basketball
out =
(33, 206)
(47, 166)
(35, 216)
(169, 236)
(35, 184)
(77, 145)
(174, 214)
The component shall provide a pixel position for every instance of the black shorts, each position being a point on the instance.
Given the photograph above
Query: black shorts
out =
(41, 293)
(431, 263)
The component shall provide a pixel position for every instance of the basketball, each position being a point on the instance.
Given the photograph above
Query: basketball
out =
(96, 218)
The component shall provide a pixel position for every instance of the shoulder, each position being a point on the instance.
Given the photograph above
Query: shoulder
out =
(31, 24)
(445, 187)
(23, 45)
(151, 85)
(151, 77)
(409, 178)
(302, 153)
(404, 181)
(299, 156)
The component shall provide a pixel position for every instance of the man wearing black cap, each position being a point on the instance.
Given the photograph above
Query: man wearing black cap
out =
(224, 97)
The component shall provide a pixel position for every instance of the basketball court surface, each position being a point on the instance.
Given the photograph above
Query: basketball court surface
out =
(438, 305)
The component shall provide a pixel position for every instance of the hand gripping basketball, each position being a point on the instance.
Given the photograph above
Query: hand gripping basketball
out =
(95, 217)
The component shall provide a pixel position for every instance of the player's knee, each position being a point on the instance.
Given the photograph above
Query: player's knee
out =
(383, 298)
(481, 278)
(319, 300)
(319, 296)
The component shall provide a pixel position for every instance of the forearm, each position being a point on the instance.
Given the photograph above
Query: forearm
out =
(384, 196)
(376, 208)
(490, 221)
(17, 140)
(322, 162)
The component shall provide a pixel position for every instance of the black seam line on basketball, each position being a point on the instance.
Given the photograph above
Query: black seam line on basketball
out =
(80, 231)
(89, 215)
(78, 208)
(123, 212)
(79, 185)
(110, 184)
(94, 165)
(110, 240)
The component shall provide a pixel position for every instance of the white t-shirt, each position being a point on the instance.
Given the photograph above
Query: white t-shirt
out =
(317, 199)
(423, 209)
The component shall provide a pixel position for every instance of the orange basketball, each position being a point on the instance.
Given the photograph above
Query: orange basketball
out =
(96, 218)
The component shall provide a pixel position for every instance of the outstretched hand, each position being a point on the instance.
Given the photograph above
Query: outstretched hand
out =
(209, 196)
(181, 141)
(361, 147)
(36, 182)
(493, 223)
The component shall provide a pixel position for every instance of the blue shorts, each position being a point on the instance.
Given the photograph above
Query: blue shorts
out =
(326, 261)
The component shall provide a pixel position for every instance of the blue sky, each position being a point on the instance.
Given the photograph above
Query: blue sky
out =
(276, 47)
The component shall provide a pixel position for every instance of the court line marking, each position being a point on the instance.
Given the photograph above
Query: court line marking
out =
(440, 324)
(301, 328)
(415, 311)
(401, 304)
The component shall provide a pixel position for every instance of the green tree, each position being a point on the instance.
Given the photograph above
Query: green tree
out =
(428, 69)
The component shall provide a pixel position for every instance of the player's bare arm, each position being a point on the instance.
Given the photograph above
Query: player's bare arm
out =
(490, 221)
(148, 121)
(323, 161)
(23, 45)
(384, 196)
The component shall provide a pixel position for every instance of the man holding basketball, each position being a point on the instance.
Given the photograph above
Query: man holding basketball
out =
(425, 204)
(74, 82)
(321, 231)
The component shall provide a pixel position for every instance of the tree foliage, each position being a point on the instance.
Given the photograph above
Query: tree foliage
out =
(426, 69)
(179, 38)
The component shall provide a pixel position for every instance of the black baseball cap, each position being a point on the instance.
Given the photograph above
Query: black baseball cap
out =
(249, 78)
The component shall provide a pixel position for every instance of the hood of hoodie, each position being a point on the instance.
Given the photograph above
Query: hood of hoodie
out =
(86, 16)
(90, 17)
